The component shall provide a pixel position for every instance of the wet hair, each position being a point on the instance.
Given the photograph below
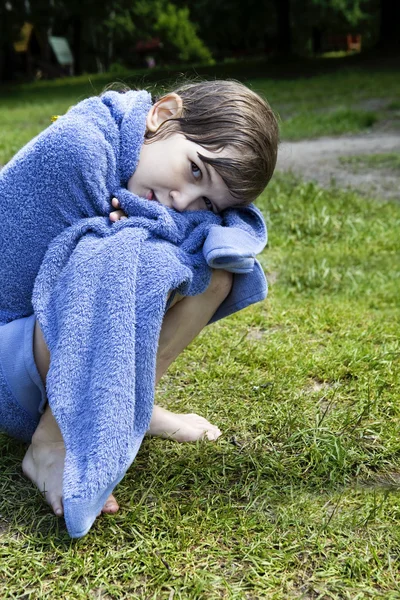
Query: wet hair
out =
(227, 114)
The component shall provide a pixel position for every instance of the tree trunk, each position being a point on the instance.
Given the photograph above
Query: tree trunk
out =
(389, 36)
(7, 62)
(284, 42)
(77, 44)
(316, 36)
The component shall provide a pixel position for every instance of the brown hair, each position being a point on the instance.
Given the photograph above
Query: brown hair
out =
(226, 114)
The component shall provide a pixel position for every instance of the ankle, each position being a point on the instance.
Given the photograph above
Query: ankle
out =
(47, 432)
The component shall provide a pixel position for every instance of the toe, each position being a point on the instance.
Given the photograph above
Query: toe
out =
(56, 504)
(111, 506)
(213, 434)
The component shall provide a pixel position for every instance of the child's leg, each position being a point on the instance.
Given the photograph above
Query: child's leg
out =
(182, 323)
(44, 460)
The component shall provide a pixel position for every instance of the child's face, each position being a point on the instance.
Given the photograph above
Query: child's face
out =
(171, 172)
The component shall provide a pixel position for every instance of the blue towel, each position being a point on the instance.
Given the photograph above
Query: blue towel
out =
(70, 172)
(101, 292)
(100, 298)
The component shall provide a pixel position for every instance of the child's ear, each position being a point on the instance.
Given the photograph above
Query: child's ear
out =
(168, 107)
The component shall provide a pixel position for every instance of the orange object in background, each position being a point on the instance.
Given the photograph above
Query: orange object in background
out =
(354, 42)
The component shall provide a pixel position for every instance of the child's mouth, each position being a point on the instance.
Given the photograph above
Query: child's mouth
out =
(151, 195)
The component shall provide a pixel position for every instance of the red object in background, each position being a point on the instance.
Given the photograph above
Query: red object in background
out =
(354, 42)
(148, 45)
(350, 42)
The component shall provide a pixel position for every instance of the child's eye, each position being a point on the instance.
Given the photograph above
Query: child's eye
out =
(208, 203)
(195, 170)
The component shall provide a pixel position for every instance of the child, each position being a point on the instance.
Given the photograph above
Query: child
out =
(214, 146)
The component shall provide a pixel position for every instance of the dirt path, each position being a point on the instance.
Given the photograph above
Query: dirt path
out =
(319, 160)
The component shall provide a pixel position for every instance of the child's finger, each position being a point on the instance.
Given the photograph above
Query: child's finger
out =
(115, 203)
(117, 215)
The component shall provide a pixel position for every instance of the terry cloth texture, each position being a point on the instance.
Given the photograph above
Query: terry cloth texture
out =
(101, 291)
(70, 172)
(23, 397)
(100, 298)
(22, 393)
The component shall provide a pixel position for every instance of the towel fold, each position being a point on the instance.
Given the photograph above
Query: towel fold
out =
(100, 298)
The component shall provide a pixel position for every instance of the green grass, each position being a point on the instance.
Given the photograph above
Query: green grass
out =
(299, 498)
(334, 103)
(311, 105)
(389, 161)
(341, 120)
(394, 105)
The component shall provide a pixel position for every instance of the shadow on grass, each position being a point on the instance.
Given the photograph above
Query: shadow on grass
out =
(260, 469)
(230, 475)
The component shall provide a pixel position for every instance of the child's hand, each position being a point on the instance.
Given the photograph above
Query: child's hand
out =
(117, 215)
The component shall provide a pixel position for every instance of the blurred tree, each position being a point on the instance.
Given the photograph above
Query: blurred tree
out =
(97, 30)
(235, 28)
(327, 17)
(284, 45)
(113, 29)
(284, 27)
(389, 33)
(307, 20)
(179, 35)
(87, 26)
(106, 32)
(350, 11)
(12, 17)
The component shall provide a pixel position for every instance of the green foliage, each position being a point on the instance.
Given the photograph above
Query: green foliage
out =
(299, 498)
(234, 27)
(352, 11)
(146, 19)
(121, 24)
(107, 32)
(179, 35)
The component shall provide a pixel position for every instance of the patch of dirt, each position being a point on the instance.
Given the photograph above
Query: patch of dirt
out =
(99, 594)
(318, 160)
(317, 385)
(388, 480)
(256, 333)
(4, 527)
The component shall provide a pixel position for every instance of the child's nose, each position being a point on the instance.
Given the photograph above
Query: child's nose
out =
(182, 200)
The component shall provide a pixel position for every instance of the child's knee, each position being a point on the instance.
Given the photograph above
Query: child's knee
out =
(220, 285)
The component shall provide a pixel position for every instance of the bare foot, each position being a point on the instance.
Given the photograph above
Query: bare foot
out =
(181, 427)
(43, 464)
